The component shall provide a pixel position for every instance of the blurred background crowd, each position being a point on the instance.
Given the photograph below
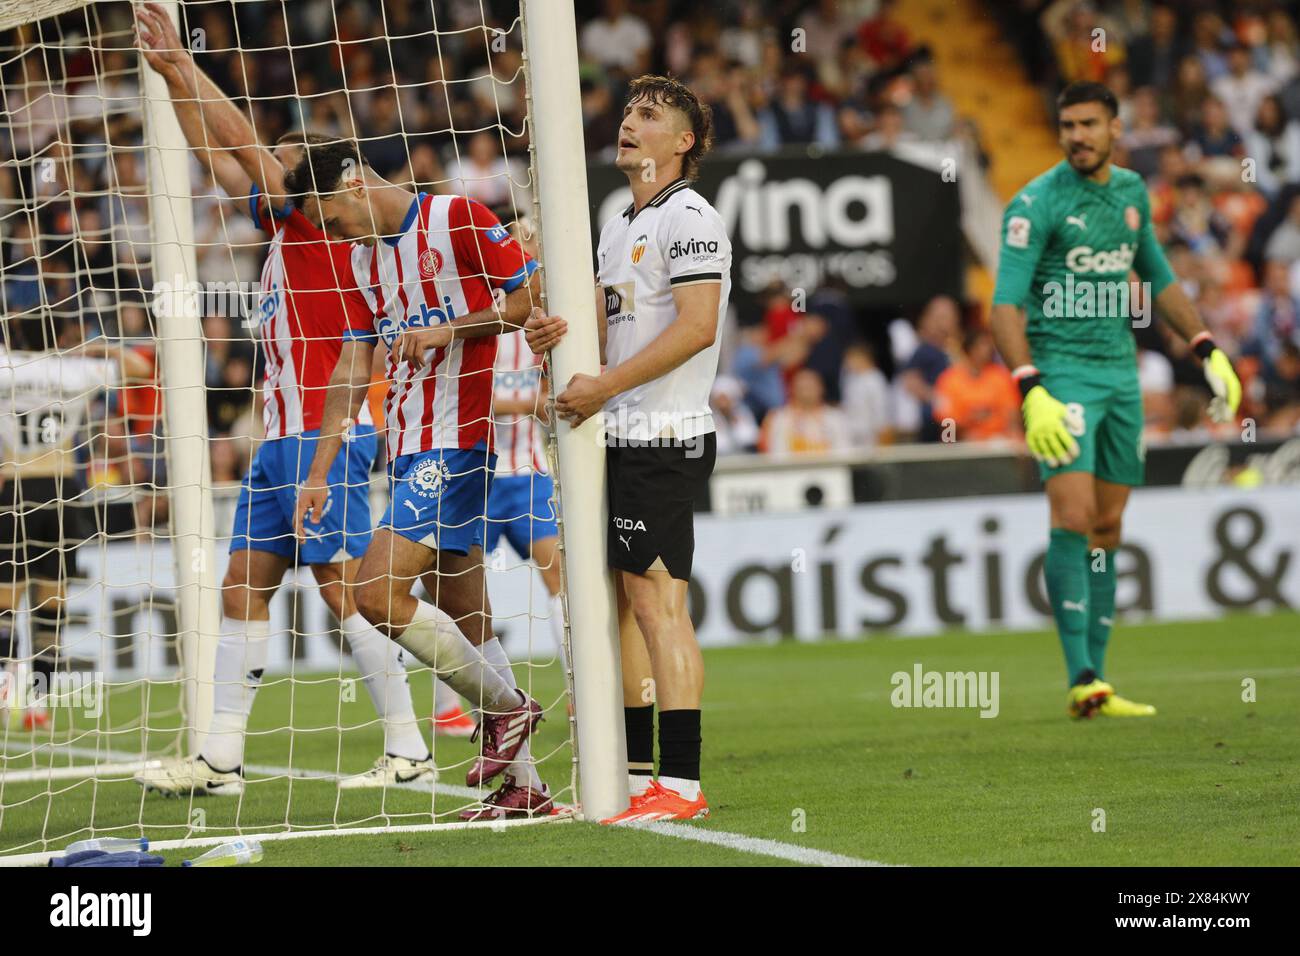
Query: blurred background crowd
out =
(1209, 94)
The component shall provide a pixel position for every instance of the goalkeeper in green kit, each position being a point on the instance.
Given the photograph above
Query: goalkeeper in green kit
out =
(1062, 317)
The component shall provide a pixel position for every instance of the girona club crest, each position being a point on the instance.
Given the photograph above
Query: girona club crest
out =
(430, 263)
(430, 478)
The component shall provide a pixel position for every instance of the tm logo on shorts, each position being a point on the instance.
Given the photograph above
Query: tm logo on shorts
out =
(430, 477)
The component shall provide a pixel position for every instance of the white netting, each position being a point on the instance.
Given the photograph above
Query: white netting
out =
(434, 94)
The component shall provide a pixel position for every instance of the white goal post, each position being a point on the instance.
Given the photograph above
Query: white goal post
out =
(551, 65)
(181, 365)
(163, 576)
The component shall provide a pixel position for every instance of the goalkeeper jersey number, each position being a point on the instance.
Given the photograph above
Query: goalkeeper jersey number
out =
(1068, 245)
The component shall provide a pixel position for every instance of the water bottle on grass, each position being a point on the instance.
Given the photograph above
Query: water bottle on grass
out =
(234, 853)
(111, 845)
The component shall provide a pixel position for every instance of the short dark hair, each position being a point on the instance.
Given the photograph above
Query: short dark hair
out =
(670, 92)
(321, 168)
(1087, 92)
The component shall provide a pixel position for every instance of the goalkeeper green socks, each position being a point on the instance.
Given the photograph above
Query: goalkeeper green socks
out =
(1101, 607)
(1066, 571)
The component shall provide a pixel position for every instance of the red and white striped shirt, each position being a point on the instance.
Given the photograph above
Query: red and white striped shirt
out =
(302, 314)
(520, 448)
(448, 258)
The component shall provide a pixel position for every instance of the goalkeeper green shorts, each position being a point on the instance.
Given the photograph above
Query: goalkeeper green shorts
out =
(1109, 399)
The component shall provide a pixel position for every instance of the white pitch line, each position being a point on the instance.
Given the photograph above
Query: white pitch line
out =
(700, 834)
(754, 845)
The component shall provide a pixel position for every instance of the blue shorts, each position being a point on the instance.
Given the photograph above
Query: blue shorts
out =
(438, 498)
(269, 494)
(520, 507)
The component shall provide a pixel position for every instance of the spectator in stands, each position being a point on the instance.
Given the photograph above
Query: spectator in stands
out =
(383, 140)
(1153, 57)
(864, 398)
(977, 394)
(733, 421)
(617, 39)
(1274, 145)
(1195, 220)
(1188, 93)
(22, 283)
(807, 424)
(1213, 135)
(1071, 24)
(1277, 322)
(1282, 391)
(600, 120)
(826, 25)
(484, 173)
(830, 327)
(792, 118)
(928, 114)
(937, 332)
(742, 38)
(1284, 243)
(1280, 51)
(1242, 89)
(224, 456)
(756, 363)
(1210, 37)
(884, 38)
(1156, 380)
(890, 131)
(1148, 134)
(723, 87)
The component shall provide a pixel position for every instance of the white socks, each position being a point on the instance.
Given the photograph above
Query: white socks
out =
(436, 641)
(241, 658)
(557, 629)
(689, 789)
(638, 783)
(522, 769)
(445, 700)
(383, 670)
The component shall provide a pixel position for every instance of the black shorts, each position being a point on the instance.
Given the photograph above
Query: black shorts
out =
(42, 521)
(652, 490)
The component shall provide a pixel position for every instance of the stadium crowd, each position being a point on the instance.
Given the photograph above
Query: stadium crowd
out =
(1209, 92)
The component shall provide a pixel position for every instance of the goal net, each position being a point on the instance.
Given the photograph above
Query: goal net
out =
(132, 388)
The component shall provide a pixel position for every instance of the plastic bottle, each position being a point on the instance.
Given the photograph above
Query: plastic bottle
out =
(234, 853)
(111, 845)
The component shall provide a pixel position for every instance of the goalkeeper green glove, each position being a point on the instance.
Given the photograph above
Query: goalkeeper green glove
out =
(1047, 425)
(1221, 378)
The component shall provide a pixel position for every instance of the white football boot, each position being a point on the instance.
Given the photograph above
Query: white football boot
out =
(390, 771)
(182, 776)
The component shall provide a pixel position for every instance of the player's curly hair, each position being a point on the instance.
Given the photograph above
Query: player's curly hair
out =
(321, 169)
(667, 91)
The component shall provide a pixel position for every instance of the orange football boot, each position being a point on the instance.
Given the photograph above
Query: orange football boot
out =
(453, 722)
(661, 803)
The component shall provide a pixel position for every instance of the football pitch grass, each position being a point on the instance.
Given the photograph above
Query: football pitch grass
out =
(806, 756)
